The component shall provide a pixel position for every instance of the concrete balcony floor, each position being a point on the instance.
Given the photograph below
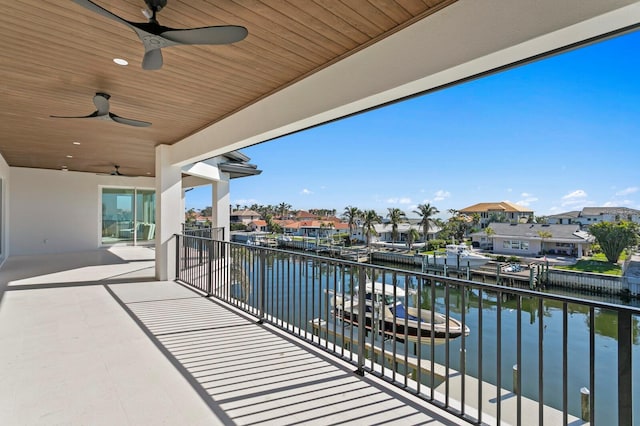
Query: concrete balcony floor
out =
(91, 338)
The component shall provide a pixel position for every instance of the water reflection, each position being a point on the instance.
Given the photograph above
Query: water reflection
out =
(297, 291)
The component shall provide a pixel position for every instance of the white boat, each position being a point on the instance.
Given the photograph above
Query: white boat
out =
(456, 256)
(386, 313)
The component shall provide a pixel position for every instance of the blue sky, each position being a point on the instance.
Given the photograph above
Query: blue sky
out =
(555, 135)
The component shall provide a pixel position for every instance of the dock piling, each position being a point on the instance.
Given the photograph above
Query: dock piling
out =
(515, 379)
(585, 413)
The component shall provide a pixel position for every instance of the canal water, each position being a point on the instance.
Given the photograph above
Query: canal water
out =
(297, 288)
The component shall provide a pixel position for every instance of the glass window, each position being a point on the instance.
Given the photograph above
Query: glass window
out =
(145, 215)
(127, 215)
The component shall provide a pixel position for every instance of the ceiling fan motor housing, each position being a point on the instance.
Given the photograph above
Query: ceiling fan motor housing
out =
(155, 5)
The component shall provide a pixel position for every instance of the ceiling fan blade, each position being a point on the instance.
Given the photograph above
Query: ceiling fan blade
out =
(130, 122)
(87, 4)
(152, 60)
(223, 34)
(92, 115)
(101, 101)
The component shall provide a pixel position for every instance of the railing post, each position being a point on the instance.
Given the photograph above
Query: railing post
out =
(177, 256)
(362, 319)
(625, 389)
(262, 286)
(210, 244)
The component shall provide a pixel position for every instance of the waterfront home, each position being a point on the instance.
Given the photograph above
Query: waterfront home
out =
(244, 216)
(315, 228)
(384, 233)
(531, 239)
(488, 212)
(592, 215)
(257, 225)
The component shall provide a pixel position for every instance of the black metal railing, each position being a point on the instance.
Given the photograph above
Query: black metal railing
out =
(213, 233)
(486, 353)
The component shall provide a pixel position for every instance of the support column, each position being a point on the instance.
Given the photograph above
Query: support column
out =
(221, 202)
(169, 216)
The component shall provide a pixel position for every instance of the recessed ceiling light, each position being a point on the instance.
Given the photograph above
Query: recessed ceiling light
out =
(69, 156)
(76, 143)
(148, 173)
(121, 61)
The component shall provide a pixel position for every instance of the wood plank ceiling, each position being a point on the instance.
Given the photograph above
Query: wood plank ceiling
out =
(56, 55)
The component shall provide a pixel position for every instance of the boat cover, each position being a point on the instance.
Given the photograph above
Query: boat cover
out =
(401, 312)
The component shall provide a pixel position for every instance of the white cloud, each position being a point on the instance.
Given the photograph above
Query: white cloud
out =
(627, 191)
(618, 203)
(509, 189)
(527, 199)
(305, 191)
(575, 199)
(578, 193)
(403, 200)
(441, 195)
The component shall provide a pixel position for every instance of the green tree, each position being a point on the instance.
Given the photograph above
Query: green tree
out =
(490, 233)
(457, 226)
(272, 225)
(426, 213)
(369, 219)
(191, 215)
(396, 216)
(207, 211)
(475, 219)
(497, 217)
(544, 235)
(283, 209)
(351, 215)
(412, 236)
(615, 237)
(541, 219)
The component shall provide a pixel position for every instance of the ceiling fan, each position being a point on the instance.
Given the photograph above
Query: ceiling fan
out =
(155, 36)
(101, 101)
(114, 172)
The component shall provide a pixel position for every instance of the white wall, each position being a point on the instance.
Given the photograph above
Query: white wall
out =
(4, 210)
(54, 211)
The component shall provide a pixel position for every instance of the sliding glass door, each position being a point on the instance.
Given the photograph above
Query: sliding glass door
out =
(145, 215)
(128, 215)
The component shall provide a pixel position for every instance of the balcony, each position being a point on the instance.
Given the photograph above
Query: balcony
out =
(93, 338)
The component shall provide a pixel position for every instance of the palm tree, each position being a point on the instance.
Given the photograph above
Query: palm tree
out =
(412, 236)
(490, 233)
(544, 235)
(396, 216)
(497, 217)
(475, 219)
(351, 215)
(426, 212)
(369, 219)
(283, 209)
